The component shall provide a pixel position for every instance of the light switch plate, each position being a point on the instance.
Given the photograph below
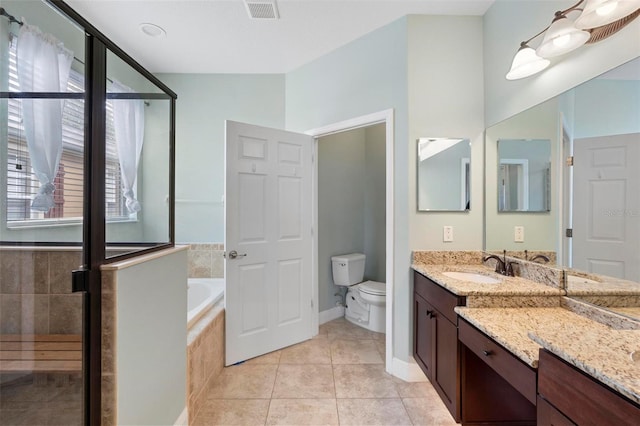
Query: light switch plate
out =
(447, 234)
(518, 234)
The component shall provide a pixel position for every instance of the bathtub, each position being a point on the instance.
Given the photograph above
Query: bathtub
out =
(202, 295)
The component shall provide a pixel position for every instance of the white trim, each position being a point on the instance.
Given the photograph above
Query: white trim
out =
(464, 178)
(183, 419)
(408, 371)
(387, 117)
(331, 314)
(565, 196)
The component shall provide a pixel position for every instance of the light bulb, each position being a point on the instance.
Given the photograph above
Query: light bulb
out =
(562, 40)
(597, 13)
(561, 37)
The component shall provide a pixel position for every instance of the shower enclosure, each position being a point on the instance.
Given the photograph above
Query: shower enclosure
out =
(87, 171)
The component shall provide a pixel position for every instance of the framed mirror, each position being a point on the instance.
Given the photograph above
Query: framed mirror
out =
(444, 174)
(524, 175)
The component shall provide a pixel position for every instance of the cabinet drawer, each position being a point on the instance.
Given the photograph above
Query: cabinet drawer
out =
(518, 374)
(438, 297)
(581, 398)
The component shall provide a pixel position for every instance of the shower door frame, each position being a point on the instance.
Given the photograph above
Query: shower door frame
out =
(88, 280)
(94, 233)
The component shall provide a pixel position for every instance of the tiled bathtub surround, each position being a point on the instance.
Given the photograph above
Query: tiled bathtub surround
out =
(205, 357)
(206, 260)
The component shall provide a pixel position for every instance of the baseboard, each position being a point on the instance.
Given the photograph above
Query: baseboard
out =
(183, 419)
(407, 371)
(330, 314)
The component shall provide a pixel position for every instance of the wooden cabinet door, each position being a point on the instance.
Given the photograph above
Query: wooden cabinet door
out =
(445, 375)
(423, 345)
(549, 416)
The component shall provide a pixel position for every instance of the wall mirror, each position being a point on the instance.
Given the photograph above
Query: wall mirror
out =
(444, 173)
(524, 175)
(596, 126)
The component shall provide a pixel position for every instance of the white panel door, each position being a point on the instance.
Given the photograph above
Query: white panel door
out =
(606, 213)
(268, 240)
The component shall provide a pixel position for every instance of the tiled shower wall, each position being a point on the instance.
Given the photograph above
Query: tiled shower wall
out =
(35, 291)
(206, 260)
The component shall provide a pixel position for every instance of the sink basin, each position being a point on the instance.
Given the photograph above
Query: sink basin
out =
(471, 276)
(574, 279)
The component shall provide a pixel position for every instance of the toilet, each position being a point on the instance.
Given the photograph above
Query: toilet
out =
(365, 302)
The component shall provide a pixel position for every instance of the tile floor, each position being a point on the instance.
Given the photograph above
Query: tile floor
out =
(337, 378)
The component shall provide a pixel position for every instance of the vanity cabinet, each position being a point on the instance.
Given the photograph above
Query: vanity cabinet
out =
(496, 386)
(572, 397)
(436, 348)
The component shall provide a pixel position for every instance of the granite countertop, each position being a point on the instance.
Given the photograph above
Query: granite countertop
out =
(580, 283)
(602, 354)
(508, 286)
(631, 311)
(597, 349)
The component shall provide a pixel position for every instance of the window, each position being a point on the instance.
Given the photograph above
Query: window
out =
(22, 184)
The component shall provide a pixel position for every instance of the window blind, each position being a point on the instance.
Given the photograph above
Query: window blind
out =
(22, 184)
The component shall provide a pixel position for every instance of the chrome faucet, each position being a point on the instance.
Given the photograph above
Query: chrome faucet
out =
(541, 257)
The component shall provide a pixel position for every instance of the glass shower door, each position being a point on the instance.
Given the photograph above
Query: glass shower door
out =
(42, 128)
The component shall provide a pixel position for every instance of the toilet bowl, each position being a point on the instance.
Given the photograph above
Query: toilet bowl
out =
(365, 302)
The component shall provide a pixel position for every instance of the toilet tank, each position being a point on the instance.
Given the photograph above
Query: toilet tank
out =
(348, 269)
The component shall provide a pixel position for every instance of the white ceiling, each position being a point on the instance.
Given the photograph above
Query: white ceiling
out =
(217, 36)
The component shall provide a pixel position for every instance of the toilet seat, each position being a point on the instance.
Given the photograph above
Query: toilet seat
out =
(373, 288)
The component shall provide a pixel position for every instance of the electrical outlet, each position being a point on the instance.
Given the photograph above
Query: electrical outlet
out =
(518, 234)
(447, 234)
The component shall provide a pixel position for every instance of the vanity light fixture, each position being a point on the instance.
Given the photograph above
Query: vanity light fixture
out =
(561, 37)
(599, 19)
(597, 13)
(526, 63)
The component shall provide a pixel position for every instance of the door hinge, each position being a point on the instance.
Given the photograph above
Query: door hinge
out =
(313, 157)
(79, 280)
(569, 233)
(570, 160)
(312, 303)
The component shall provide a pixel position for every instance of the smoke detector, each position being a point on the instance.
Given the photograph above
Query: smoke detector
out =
(262, 9)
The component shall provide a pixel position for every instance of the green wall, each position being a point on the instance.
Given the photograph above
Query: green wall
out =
(204, 102)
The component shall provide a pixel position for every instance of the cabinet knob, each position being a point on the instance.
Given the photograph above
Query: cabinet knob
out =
(487, 353)
(429, 313)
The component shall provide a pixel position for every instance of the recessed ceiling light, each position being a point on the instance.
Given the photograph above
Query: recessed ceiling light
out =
(152, 30)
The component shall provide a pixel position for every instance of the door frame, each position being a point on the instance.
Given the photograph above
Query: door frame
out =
(386, 117)
(565, 243)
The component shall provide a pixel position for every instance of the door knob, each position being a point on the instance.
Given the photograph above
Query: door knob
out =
(234, 254)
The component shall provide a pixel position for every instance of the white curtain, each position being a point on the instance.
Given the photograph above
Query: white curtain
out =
(128, 120)
(43, 66)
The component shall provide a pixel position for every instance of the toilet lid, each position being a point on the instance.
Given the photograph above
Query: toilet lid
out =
(373, 287)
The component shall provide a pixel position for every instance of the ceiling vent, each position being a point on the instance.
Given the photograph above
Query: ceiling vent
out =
(262, 9)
